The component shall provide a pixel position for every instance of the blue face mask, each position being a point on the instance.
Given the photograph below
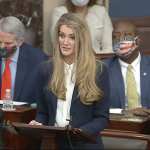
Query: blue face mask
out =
(7, 52)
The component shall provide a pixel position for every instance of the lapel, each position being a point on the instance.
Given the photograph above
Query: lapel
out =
(118, 82)
(22, 69)
(74, 95)
(144, 78)
(53, 100)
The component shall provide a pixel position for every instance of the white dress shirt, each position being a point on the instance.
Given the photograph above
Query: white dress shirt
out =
(136, 71)
(63, 106)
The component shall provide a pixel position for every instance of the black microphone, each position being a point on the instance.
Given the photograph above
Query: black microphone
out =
(69, 128)
(1, 116)
(1, 120)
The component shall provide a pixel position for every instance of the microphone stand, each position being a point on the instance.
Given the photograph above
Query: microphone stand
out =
(69, 128)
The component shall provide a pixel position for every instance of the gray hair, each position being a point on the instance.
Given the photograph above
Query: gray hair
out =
(12, 25)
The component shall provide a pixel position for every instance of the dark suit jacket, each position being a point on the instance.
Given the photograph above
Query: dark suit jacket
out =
(117, 96)
(90, 118)
(28, 59)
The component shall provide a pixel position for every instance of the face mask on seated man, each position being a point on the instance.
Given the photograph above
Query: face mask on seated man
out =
(5, 52)
(8, 44)
(125, 46)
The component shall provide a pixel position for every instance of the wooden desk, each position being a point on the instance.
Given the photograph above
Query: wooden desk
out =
(21, 114)
(25, 114)
(120, 126)
(133, 124)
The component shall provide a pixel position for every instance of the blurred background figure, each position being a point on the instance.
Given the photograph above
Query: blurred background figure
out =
(97, 18)
(30, 12)
(17, 58)
(129, 71)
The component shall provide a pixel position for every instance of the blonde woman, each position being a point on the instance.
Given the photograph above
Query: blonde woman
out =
(73, 85)
(97, 18)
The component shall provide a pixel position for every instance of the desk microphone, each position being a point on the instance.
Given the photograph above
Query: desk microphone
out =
(1, 120)
(6, 125)
(69, 127)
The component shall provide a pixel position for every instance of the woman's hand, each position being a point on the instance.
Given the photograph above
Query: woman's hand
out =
(33, 122)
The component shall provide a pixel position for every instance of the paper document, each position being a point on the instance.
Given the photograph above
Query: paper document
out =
(115, 110)
(15, 103)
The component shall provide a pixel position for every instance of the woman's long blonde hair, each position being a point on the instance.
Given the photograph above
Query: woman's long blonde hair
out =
(85, 62)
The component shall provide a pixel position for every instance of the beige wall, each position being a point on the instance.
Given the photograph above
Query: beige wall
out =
(48, 5)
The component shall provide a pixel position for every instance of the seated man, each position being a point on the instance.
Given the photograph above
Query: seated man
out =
(17, 59)
(129, 71)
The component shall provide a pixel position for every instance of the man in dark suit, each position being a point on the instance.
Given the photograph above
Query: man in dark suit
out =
(127, 53)
(23, 57)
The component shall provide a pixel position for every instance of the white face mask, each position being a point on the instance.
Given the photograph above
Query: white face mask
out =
(80, 3)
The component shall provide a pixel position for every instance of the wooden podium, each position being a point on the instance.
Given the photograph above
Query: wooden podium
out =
(48, 135)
